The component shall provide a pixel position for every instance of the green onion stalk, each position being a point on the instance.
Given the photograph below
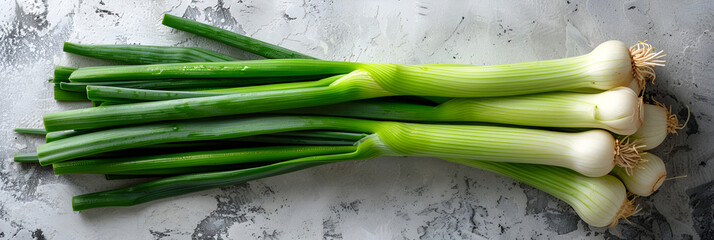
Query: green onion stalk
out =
(26, 157)
(618, 110)
(130, 165)
(610, 65)
(231, 39)
(141, 54)
(70, 96)
(228, 154)
(191, 84)
(62, 73)
(599, 201)
(96, 92)
(33, 131)
(592, 153)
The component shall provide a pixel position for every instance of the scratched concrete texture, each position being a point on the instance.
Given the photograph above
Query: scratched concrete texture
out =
(384, 198)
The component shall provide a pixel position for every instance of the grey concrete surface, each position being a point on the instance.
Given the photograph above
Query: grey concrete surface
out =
(385, 198)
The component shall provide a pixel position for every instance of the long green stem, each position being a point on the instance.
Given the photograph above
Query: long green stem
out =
(35, 131)
(182, 131)
(54, 136)
(295, 141)
(168, 172)
(124, 177)
(230, 38)
(26, 157)
(64, 95)
(62, 73)
(107, 93)
(193, 83)
(326, 134)
(98, 117)
(141, 54)
(192, 159)
(320, 82)
(233, 69)
(183, 184)
(117, 94)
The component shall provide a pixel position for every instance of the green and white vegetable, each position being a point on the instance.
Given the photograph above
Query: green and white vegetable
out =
(617, 110)
(646, 178)
(176, 119)
(592, 153)
(599, 201)
(610, 65)
(658, 123)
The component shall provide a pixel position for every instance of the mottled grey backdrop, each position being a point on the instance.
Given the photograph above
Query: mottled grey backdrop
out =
(381, 198)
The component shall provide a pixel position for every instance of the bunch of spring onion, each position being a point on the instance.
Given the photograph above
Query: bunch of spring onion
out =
(573, 127)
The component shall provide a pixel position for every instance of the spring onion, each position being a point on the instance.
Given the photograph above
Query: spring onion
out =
(607, 67)
(646, 178)
(617, 110)
(658, 123)
(599, 201)
(154, 120)
(592, 153)
(140, 54)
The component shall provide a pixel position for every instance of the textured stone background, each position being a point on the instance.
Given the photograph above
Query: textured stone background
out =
(381, 198)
